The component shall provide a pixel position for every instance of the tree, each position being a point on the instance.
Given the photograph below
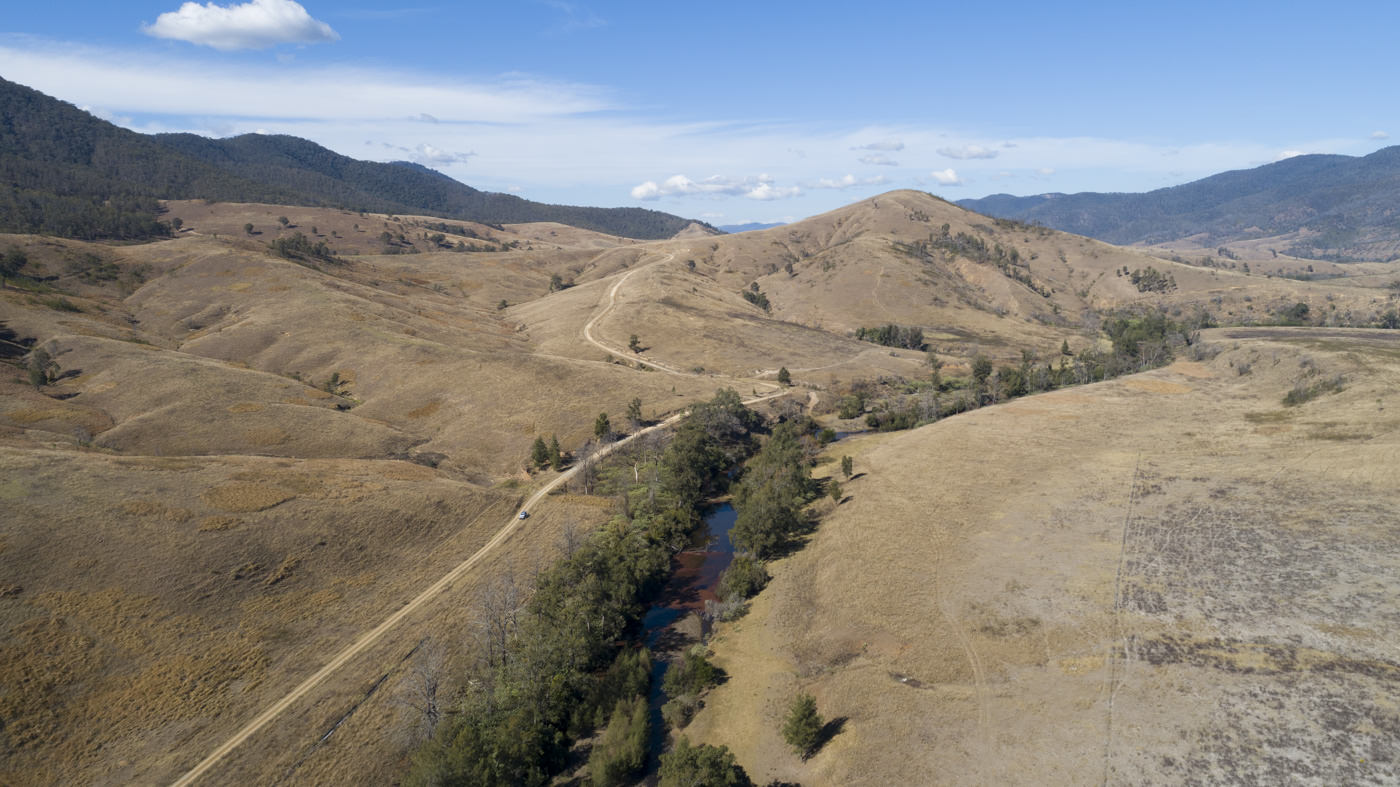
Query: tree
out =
(834, 489)
(622, 749)
(802, 727)
(981, 369)
(701, 766)
(556, 457)
(539, 453)
(784, 376)
(634, 344)
(11, 263)
(555, 282)
(602, 429)
(248, 228)
(634, 413)
(42, 367)
(848, 466)
(284, 221)
(177, 223)
(502, 305)
(1064, 348)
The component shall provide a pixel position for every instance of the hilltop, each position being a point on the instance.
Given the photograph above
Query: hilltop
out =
(1320, 207)
(76, 175)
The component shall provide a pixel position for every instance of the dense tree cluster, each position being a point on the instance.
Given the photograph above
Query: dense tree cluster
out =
(300, 248)
(1150, 279)
(775, 486)
(1142, 339)
(891, 335)
(560, 671)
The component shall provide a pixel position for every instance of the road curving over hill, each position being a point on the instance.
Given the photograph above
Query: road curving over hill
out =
(380, 631)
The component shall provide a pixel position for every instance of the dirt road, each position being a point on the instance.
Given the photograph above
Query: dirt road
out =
(374, 635)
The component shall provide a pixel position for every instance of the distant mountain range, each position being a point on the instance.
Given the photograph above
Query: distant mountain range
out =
(753, 225)
(1341, 208)
(75, 175)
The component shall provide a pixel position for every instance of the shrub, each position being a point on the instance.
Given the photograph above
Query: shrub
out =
(744, 578)
(711, 766)
(1303, 392)
(850, 406)
(691, 675)
(678, 711)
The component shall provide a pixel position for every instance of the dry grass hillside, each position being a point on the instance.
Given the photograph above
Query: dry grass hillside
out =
(245, 461)
(889, 259)
(1171, 577)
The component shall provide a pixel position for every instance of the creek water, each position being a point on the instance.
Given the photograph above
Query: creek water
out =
(694, 580)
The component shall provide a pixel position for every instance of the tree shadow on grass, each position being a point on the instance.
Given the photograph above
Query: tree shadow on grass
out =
(829, 730)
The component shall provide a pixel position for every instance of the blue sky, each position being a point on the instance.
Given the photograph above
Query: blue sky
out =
(736, 112)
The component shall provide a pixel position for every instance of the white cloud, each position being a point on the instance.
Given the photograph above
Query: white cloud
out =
(878, 160)
(257, 24)
(203, 89)
(1045, 172)
(946, 177)
(890, 146)
(967, 152)
(767, 191)
(430, 156)
(760, 187)
(1287, 154)
(1379, 135)
(849, 181)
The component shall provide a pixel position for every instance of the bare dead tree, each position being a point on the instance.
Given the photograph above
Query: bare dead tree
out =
(570, 538)
(419, 690)
(498, 615)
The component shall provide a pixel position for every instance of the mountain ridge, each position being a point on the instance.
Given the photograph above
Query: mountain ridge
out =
(1320, 206)
(76, 175)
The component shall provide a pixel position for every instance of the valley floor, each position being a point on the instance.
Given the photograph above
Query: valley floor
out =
(1166, 578)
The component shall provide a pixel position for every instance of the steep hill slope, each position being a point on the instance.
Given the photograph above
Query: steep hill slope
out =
(1319, 206)
(78, 176)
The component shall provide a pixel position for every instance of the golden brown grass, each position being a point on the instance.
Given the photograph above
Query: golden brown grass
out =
(977, 611)
(192, 521)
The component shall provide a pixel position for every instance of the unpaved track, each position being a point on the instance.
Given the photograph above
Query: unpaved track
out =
(433, 590)
(612, 301)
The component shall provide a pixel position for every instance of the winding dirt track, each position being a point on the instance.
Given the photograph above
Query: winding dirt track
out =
(612, 301)
(375, 634)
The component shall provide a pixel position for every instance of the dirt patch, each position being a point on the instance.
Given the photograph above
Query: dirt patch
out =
(424, 411)
(1157, 386)
(244, 497)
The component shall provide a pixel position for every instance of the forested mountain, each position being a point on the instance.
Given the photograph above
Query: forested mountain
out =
(1334, 207)
(69, 173)
(301, 166)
